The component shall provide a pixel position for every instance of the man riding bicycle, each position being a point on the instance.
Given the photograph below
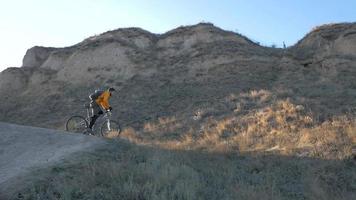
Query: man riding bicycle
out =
(99, 101)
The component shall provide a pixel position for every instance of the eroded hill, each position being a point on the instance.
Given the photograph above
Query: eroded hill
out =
(199, 86)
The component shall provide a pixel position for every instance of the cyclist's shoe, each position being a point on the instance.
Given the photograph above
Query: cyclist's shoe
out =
(88, 131)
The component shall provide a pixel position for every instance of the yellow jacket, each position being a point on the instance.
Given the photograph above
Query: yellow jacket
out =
(103, 100)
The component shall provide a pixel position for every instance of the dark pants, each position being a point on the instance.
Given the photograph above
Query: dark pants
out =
(96, 113)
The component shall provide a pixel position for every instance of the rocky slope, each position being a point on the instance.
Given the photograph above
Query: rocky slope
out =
(191, 74)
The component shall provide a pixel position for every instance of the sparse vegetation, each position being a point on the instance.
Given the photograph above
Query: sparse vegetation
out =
(126, 171)
(264, 148)
(254, 121)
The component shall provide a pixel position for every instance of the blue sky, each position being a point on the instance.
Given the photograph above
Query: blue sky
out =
(59, 23)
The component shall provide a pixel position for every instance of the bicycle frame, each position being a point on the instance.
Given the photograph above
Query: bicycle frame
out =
(104, 123)
(89, 114)
(105, 118)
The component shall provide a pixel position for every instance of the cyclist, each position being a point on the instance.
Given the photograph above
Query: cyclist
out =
(99, 101)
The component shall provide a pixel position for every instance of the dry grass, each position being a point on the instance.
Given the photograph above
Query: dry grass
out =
(126, 171)
(261, 147)
(163, 125)
(324, 26)
(258, 122)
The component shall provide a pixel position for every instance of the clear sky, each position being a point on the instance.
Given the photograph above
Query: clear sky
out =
(59, 23)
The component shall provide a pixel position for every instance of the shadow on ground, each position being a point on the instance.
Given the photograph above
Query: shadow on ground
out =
(126, 171)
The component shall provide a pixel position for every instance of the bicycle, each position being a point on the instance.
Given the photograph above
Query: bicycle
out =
(79, 124)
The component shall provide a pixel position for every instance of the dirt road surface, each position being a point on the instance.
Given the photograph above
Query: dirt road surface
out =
(24, 148)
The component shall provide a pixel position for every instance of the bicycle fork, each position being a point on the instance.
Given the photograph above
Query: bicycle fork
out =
(108, 124)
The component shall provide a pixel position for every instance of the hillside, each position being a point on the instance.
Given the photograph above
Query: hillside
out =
(207, 114)
(37, 163)
(199, 87)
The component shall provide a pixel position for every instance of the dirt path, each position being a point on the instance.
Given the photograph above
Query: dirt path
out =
(24, 148)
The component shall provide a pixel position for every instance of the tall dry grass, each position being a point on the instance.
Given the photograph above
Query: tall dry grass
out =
(258, 121)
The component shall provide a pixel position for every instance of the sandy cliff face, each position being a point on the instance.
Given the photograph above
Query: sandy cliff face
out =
(179, 72)
(327, 41)
(12, 80)
(35, 56)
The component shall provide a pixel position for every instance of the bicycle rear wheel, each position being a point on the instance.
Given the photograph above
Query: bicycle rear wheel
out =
(110, 128)
(76, 124)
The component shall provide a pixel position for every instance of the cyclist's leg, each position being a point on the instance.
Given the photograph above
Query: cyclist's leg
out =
(96, 113)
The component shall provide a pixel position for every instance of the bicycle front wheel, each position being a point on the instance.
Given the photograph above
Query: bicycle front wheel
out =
(76, 124)
(110, 128)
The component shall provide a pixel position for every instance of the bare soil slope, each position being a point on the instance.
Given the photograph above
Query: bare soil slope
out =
(24, 148)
